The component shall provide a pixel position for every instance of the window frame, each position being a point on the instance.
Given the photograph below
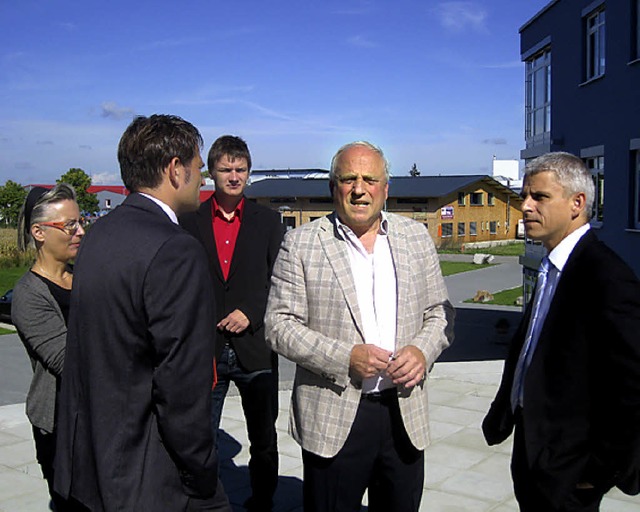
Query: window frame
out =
(538, 97)
(596, 166)
(595, 44)
(449, 226)
(462, 228)
(473, 228)
(462, 196)
(476, 195)
(637, 30)
(636, 198)
(493, 227)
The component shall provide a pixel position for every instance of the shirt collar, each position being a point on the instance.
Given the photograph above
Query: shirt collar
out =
(345, 230)
(165, 207)
(563, 250)
(237, 212)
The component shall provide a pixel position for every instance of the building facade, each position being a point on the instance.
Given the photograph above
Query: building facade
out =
(457, 210)
(582, 95)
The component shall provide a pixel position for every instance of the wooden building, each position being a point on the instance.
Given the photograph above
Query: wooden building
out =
(457, 210)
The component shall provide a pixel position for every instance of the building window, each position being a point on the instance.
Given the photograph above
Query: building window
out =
(491, 200)
(289, 222)
(473, 228)
(493, 227)
(461, 229)
(595, 50)
(596, 166)
(447, 229)
(637, 30)
(476, 198)
(636, 199)
(462, 197)
(538, 98)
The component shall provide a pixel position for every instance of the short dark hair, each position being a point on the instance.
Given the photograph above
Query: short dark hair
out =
(230, 145)
(150, 143)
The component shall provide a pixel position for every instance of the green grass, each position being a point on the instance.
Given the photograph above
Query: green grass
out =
(505, 297)
(455, 267)
(6, 331)
(9, 276)
(516, 249)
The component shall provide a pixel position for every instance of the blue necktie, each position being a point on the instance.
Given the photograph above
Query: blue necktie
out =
(538, 314)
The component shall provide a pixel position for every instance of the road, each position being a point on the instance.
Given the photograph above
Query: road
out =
(481, 331)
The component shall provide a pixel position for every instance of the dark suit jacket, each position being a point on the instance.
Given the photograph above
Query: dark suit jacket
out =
(134, 427)
(581, 410)
(247, 286)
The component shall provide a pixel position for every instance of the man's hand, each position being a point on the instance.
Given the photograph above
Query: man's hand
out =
(368, 360)
(407, 367)
(234, 322)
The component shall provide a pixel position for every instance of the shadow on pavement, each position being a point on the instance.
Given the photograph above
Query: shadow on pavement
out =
(481, 335)
(236, 479)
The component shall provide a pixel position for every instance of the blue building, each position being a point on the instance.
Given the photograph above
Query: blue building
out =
(582, 95)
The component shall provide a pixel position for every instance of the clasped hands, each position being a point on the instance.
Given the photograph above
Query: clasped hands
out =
(235, 322)
(405, 367)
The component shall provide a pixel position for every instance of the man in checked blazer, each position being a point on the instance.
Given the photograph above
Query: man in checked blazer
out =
(576, 405)
(358, 302)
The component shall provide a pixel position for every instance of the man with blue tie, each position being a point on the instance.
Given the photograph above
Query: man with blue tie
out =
(571, 381)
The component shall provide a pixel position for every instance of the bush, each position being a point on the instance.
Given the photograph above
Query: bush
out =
(10, 256)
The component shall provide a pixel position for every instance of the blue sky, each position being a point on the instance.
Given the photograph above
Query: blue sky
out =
(438, 83)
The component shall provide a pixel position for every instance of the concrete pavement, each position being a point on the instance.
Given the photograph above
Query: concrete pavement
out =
(462, 473)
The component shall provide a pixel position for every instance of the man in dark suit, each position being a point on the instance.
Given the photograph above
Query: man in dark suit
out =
(242, 240)
(571, 382)
(133, 422)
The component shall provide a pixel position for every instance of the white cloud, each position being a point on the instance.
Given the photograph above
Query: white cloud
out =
(362, 42)
(459, 16)
(110, 109)
(105, 178)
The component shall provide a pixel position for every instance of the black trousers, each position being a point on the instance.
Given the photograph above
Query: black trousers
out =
(45, 451)
(529, 488)
(259, 394)
(377, 455)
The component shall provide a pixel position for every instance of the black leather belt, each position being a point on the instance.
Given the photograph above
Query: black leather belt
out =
(380, 396)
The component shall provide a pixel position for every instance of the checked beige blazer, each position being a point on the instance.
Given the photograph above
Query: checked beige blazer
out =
(313, 319)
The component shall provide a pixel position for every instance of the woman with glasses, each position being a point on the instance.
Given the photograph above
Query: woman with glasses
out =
(50, 221)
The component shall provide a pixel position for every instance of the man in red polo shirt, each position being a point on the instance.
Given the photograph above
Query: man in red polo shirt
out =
(242, 240)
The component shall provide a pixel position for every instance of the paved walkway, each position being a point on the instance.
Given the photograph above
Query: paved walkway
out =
(463, 474)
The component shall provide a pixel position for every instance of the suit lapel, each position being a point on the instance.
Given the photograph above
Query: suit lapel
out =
(400, 256)
(204, 219)
(564, 289)
(246, 234)
(338, 257)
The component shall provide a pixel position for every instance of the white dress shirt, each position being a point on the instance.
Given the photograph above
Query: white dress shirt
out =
(375, 279)
(165, 208)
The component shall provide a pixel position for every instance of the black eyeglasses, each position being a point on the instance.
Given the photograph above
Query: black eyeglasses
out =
(70, 227)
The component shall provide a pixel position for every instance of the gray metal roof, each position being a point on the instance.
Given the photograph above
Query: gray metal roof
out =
(401, 186)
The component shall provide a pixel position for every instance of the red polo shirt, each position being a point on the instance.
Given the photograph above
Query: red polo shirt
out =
(225, 233)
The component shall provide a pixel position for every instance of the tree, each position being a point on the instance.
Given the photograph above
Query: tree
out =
(414, 171)
(81, 181)
(12, 196)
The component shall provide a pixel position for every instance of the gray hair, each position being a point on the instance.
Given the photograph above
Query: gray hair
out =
(360, 143)
(570, 172)
(37, 208)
